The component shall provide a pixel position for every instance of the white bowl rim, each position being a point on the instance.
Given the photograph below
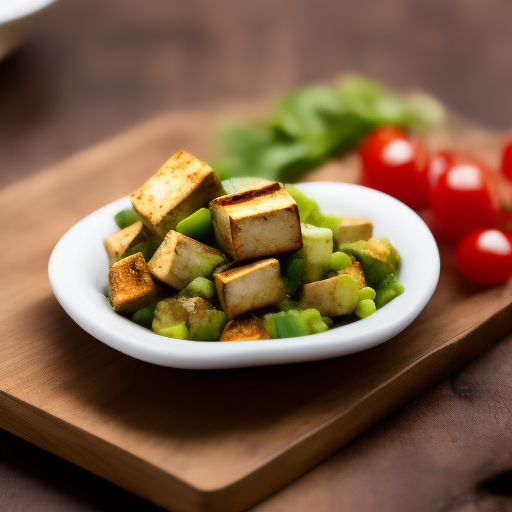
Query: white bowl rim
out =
(15, 10)
(80, 293)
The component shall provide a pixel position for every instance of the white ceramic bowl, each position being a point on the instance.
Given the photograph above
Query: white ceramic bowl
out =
(17, 18)
(78, 272)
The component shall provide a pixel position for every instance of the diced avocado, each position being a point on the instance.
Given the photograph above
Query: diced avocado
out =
(377, 256)
(294, 323)
(388, 289)
(316, 252)
(199, 287)
(168, 313)
(179, 332)
(207, 325)
(200, 319)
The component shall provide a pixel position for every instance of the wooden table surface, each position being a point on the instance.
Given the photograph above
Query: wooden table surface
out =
(95, 68)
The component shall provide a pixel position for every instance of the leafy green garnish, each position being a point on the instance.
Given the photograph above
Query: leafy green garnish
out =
(312, 124)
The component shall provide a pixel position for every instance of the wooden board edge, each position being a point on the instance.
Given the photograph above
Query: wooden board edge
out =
(97, 456)
(326, 439)
(154, 484)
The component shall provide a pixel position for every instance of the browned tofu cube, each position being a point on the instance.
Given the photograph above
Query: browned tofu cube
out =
(245, 329)
(180, 187)
(353, 229)
(180, 259)
(117, 243)
(356, 271)
(257, 222)
(249, 287)
(131, 286)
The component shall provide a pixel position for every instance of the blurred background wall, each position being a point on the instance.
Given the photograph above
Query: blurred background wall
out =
(93, 67)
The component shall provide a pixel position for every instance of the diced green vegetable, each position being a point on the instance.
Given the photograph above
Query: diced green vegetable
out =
(327, 321)
(207, 325)
(388, 289)
(310, 213)
(179, 331)
(293, 270)
(365, 308)
(316, 252)
(147, 249)
(125, 218)
(199, 287)
(144, 316)
(340, 260)
(198, 226)
(287, 304)
(314, 321)
(294, 323)
(168, 313)
(377, 256)
(366, 293)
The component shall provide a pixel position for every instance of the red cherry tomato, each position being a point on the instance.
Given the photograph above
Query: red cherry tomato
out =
(464, 194)
(485, 257)
(396, 164)
(506, 159)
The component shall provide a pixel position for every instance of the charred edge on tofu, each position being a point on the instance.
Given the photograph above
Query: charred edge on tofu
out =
(300, 311)
(247, 195)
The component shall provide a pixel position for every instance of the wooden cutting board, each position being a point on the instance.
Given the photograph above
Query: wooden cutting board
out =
(201, 440)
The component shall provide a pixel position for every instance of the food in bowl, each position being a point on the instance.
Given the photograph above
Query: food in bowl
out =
(242, 259)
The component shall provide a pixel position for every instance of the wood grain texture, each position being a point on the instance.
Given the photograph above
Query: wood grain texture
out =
(200, 440)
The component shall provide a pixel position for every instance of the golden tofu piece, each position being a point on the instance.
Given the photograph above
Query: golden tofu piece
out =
(353, 229)
(117, 243)
(179, 188)
(245, 329)
(356, 271)
(180, 259)
(259, 222)
(248, 287)
(131, 286)
(335, 296)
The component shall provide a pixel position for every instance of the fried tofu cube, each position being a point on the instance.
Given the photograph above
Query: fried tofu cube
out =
(180, 259)
(356, 271)
(353, 229)
(131, 286)
(179, 188)
(248, 287)
(117, 243)
(335, 296)
(259, 222)
(245, 329)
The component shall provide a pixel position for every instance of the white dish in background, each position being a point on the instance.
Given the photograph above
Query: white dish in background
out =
(78, 272)
(17, 18)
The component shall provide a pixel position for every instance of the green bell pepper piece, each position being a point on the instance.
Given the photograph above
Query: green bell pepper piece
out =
(198, 226)
(388, 289)
(125, 218)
